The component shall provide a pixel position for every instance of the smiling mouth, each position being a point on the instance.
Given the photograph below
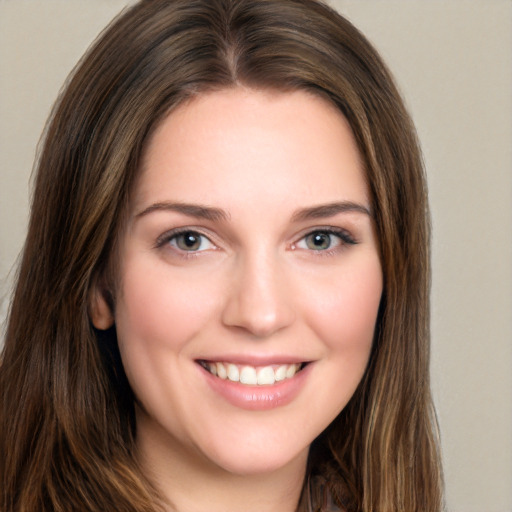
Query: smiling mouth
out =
(252, 375)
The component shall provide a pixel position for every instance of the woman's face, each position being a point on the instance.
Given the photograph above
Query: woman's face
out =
(249, 252)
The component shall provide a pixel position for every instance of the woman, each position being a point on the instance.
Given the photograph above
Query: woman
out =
(227, 271)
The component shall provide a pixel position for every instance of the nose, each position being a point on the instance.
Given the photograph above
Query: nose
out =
(258, 301)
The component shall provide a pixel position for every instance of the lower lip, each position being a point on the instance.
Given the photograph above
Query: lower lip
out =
(258, 398)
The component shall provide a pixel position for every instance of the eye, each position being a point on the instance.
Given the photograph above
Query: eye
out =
(325, 239)
(190, 241)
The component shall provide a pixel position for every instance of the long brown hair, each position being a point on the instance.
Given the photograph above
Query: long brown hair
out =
(67, 424)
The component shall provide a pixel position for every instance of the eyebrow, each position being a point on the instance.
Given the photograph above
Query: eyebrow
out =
(191, 210)
(330, 210)
(216, 214)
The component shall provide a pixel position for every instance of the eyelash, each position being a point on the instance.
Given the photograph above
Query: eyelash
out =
(345, 238)
(168, 237)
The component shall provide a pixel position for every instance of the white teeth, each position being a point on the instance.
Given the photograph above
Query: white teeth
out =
(248, 376)
(251, 376)
(281, 373)
(221, 371)
(233, 373)
(291, 371)
(266, 376)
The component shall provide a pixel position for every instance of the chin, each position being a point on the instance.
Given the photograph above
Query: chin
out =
(258, 457)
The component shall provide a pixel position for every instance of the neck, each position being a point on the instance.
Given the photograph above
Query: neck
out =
(189, 482)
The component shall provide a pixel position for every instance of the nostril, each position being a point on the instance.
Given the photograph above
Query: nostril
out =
(258, 300)
(259, 318)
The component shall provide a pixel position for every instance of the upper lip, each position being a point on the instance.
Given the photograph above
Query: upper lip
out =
(254, 360)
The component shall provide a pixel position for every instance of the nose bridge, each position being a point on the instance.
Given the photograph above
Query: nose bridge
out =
(259, 300)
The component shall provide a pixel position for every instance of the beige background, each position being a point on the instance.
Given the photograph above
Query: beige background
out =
(452, 60)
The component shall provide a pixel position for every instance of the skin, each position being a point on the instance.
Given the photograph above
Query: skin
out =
(255, 288)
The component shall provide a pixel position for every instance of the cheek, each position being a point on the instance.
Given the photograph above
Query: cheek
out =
(157, 309)
(343, 310)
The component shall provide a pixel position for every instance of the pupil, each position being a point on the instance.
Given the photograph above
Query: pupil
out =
(190, 240)
(320, 241)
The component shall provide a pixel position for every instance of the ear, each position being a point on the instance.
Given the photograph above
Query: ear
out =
(100, 308)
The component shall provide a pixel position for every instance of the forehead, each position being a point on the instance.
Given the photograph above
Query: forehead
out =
(252, 145)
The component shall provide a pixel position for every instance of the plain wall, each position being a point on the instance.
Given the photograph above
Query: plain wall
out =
(452, 60)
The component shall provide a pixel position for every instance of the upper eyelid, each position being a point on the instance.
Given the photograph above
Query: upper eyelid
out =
(172, 233)
(335, 230)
